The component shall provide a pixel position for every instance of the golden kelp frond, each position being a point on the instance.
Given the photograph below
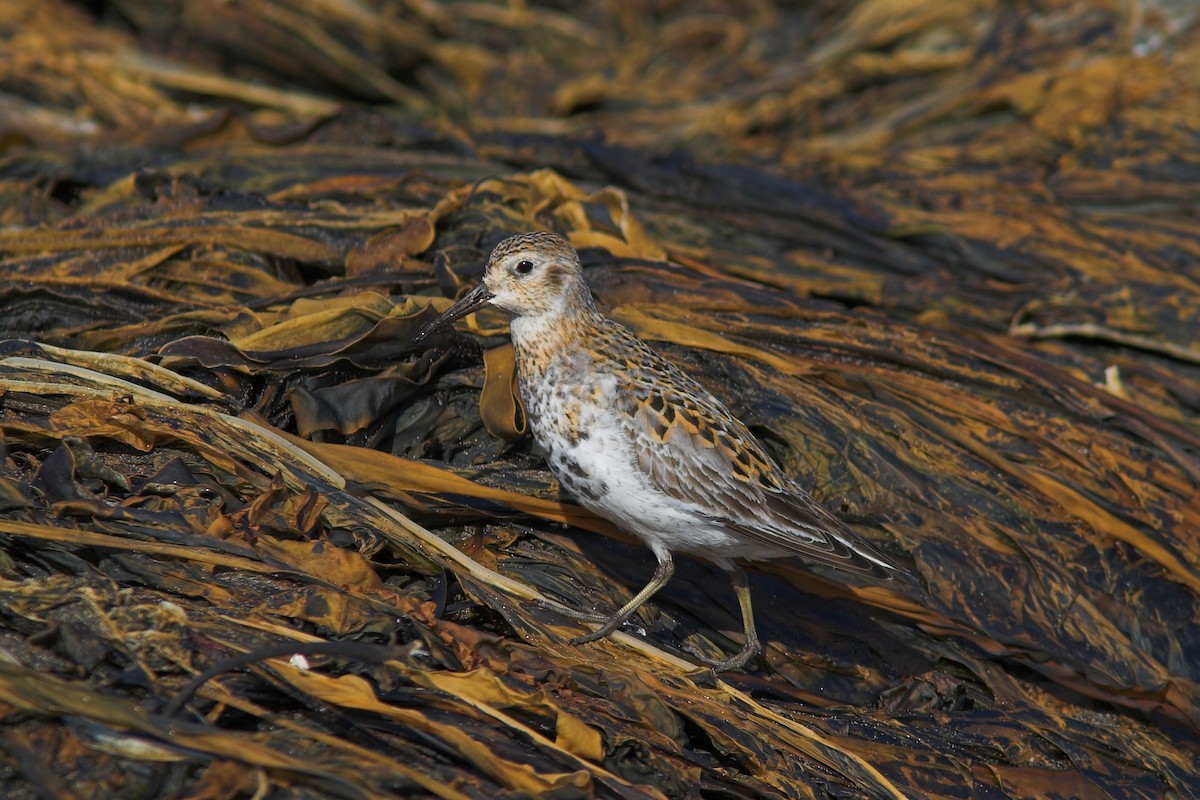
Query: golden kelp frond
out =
(253, 540)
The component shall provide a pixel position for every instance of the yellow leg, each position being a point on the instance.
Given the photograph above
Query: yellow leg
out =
(741, 587)
(662, 574)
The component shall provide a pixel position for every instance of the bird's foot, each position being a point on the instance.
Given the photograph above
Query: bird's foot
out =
(587, 637)
(610, 625)
(576, 614)
(737, 661)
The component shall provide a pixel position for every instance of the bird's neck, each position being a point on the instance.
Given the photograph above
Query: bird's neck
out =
(540, 339)
(557, 329)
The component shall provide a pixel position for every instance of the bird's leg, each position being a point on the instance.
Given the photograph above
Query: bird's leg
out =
(662, 574)
(741, 587)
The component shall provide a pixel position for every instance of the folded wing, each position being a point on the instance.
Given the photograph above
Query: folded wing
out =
(704, 456)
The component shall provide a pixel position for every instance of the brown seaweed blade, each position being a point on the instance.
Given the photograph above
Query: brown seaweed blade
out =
(940, 259)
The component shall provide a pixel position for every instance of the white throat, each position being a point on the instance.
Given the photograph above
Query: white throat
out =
(530, 327)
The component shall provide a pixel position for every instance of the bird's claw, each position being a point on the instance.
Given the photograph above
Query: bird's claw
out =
(575, 614)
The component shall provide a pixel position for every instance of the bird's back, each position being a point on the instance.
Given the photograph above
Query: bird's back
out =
(635, 439)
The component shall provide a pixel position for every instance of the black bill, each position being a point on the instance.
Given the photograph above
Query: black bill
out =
(471, 301)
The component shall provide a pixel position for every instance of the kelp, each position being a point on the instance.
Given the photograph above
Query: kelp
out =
(252, 540)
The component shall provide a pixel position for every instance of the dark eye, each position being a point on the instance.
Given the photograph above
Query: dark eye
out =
(525, 267)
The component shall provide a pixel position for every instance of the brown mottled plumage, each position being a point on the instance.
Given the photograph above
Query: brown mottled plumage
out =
(640, 443)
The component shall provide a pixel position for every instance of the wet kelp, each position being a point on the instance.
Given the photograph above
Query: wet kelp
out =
(942, 264)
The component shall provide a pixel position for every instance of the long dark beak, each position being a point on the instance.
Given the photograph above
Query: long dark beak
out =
(471, 301)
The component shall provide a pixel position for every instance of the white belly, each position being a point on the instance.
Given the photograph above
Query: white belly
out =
(591, 453)
(602, 473)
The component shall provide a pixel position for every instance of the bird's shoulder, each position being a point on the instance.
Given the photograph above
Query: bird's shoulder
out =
(679, 424)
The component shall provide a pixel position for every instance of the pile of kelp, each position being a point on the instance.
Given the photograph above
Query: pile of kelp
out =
(943, 258)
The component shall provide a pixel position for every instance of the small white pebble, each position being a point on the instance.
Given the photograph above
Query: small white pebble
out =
(1113, 383)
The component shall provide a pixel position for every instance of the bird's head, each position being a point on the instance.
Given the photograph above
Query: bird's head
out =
(528, 275)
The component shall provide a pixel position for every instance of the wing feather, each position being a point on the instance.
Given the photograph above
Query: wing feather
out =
(704, 456)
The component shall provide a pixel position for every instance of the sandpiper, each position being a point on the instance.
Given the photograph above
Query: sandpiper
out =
(638, 442)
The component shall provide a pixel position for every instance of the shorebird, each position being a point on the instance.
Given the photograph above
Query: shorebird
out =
(638, 442)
